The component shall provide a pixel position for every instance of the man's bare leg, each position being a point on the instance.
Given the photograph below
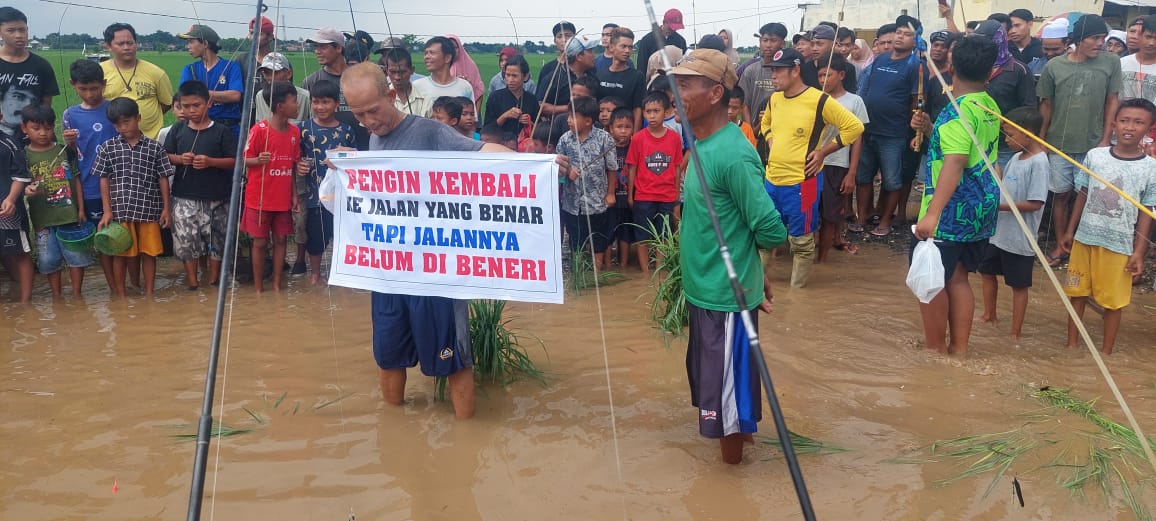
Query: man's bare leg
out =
(462, 393)
(393, 386)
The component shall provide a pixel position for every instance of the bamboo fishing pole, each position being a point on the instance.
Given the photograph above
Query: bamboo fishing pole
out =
(205, 423)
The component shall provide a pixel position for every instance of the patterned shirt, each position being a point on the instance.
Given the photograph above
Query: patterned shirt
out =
(593, 157)
(13, 169)
(316, 140)
(134, 174)
(970, 214)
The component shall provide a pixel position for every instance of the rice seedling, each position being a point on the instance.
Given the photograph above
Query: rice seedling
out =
(499, 357)
(985, 453)
(219, 430)
(584, 276)
(1063, 399)
(668, 309)
(805, 445)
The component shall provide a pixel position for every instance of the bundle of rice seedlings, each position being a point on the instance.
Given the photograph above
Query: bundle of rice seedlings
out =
(498, 355)
(668, 309)
(584, 276)
(805, 445)
(1063, 399)
(986, 453)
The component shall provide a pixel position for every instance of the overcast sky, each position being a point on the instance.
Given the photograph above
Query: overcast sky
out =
(467, 18)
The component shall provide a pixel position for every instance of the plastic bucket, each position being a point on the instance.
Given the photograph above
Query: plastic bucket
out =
(113, 239)
(76, 237)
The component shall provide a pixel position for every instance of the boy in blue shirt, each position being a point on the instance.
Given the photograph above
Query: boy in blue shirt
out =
(86, 127)
(319, 135)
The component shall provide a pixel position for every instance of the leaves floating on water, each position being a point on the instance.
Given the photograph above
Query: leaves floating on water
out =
(219, 430)
(804, 445)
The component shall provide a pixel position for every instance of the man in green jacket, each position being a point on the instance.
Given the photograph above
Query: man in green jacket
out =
(724, 383)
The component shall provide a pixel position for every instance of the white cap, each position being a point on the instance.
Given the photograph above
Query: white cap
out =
(1119, 35)
(1056, 29)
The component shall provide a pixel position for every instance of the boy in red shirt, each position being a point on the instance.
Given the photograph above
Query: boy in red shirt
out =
(652, 165)
(271, 157)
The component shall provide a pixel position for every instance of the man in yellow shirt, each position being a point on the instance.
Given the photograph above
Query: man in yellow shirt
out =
(126, 76)
(793, 125)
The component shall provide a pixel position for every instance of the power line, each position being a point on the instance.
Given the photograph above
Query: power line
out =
(448, 15)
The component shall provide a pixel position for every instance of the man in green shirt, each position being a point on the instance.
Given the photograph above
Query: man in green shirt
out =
(1079, 93)
(724, 383)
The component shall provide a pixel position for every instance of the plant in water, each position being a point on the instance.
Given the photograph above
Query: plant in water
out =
(498, 355)
(583, 274)
(668, 309)
(805, 445)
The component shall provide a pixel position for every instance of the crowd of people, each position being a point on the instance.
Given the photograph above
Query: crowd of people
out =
(819, 137)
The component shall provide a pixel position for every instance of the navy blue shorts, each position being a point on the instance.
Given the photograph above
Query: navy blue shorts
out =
(432, 331)
(318, 230)
(652, 213)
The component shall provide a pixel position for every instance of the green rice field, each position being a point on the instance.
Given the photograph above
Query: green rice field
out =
(304, 63)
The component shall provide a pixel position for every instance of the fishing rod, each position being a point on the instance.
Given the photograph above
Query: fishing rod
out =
(205, 423)
(737, 289)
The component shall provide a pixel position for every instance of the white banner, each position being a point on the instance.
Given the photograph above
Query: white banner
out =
(449, 224)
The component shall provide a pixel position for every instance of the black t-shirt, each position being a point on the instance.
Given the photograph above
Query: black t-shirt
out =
(502, 100)
(627, 85)
(23, 84)
(649, 45)
(210, 184)
(1032, 53)
(343, 114)
(810, 73)
(553, 87)
(1012, 88)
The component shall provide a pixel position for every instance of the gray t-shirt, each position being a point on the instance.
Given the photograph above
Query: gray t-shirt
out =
(757, 89)
(416, 133)
(853, 103)
(1078, 92)
(1025, 180)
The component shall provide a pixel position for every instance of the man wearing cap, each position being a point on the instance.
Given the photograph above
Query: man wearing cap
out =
(756, 80)
(395, 43)
(329, 48)
(671, 24)
(603, 60)
(554, 91)
(498, 82)
(890, 87)
(793, 125)
(399, 67)
(275, 68)
(440, 53)
(724, 382)
(802, 42)
(1023, 46)
(1054, 39)
(1078, 99)
(249, 64)
(127, 76)
(225, 80)
(822, 46)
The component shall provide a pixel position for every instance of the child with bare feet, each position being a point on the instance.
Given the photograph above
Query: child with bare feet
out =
(1009, 251)
(1102, 230)
(318, 136)
(271, 158)
(134, 175)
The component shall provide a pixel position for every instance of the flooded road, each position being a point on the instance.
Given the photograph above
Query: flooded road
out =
(94, 392)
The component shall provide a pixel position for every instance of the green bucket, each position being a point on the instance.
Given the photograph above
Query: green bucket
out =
(76, 237)
(113, 239)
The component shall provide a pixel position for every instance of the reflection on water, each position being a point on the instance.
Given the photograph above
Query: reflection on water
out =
(94, 391)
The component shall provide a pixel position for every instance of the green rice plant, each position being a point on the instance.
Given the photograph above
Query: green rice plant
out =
(219, 430)
(584, 276)
(668, 309)
(499, 357)
(985, 454)
(804, 445)
(1063, 399)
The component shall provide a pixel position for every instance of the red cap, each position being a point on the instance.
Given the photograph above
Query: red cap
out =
(673, 19)
(266, 25)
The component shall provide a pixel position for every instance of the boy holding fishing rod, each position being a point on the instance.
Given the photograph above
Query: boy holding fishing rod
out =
(1101, 231)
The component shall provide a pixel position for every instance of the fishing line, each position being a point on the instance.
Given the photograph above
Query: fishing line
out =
(597, 286)
(1051, 273)
(736, 287)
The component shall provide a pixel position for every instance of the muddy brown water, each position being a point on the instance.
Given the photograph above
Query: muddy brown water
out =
(93, 392)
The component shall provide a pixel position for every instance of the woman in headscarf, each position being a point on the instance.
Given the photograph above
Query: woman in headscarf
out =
(1010, 83)
(729, 40)
(654, 64)
(861, 56)
(465, 68)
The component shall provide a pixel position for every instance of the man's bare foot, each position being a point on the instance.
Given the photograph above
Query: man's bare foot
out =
(313, 278)
(989, 319)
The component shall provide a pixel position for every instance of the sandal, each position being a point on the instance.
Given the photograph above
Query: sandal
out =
(855, 228)
(881, 231)
(851, 249)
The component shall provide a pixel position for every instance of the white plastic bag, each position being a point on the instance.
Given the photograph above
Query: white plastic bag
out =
(327, 190)
(925, 277)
